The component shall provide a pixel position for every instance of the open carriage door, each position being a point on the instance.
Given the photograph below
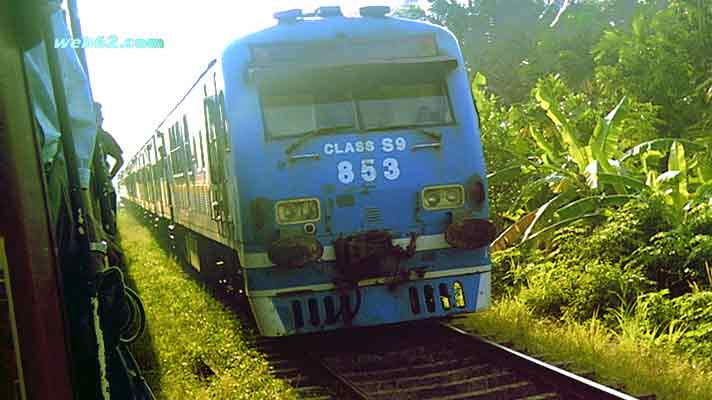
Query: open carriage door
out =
(218, 147)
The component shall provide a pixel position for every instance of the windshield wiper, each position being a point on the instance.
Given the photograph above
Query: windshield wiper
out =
(431, 134)
(304, 136)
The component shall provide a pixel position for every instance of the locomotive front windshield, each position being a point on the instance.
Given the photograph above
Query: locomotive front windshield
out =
(376, 107)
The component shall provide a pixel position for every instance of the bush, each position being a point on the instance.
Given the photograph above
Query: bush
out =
(580, 289)
(678, 258)
(509, 269)
(699, 219)
(695, 310)
(655, 310)
(627, 229)
(568, 242)
(549, 289)
(692, 311)
(602, 286)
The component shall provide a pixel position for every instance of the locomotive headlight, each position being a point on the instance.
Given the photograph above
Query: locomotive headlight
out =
(432, 199)
(453, 196)
(287, 212)
(442, 197)
(309, 210)
(297, 211)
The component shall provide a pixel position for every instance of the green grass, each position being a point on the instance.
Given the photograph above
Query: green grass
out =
(187, 329)
(644, 367)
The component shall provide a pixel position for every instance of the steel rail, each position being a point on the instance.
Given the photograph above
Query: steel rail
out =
(564, 382)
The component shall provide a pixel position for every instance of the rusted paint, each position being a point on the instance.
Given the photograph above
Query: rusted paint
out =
(470, 195)
(295, 251)
(329, 212)
(345, 200)
(260, 210)
(470, 233)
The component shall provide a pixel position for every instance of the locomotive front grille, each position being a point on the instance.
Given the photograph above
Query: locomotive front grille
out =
(447, 300)
(373, 216)
(309, 312)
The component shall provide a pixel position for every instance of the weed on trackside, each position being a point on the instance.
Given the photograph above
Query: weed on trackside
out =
(193, 347)
(643, 367)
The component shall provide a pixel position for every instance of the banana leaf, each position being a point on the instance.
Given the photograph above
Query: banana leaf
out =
(623, 180)
(512, 233)
(505, 174)
(547, 210)
(668, 177)
(545, 145)
(605, 137)
(662, 144)
(550, 105)
(591, 174)
(677, 162)
(561, 224)
(588, 205)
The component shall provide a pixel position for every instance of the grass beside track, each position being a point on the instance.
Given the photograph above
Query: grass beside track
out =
(188, 330)
(644, 367)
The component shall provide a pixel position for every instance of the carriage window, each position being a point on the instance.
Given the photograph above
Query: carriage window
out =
(201, 153)
(177, 155)
(390, 106)
(188, 151)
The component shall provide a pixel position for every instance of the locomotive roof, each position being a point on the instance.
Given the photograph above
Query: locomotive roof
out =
(333, 28)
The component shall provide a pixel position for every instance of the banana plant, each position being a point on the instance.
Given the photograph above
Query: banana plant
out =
(587, 178)
(578, 186)
(676, 184)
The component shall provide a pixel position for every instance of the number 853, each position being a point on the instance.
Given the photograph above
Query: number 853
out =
(369, 172)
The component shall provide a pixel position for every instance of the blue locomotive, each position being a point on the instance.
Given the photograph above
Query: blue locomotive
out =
(334, 165)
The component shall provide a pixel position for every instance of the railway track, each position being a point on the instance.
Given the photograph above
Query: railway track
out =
(420, 361)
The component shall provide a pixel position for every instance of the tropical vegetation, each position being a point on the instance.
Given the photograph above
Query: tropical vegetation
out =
(596, 118)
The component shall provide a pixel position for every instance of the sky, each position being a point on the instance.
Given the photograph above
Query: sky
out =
(138, 87)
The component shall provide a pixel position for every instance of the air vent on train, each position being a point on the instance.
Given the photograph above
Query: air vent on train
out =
(374, 11)
(329, 11)
(288, 16)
